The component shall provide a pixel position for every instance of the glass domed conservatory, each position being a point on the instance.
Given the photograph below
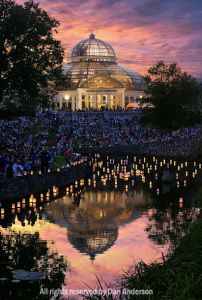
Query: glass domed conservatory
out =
(95, 80)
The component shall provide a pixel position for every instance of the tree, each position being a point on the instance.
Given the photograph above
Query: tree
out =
(30, 57)
(172, 97)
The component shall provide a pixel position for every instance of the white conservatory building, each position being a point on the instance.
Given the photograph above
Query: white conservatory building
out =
(95, 80)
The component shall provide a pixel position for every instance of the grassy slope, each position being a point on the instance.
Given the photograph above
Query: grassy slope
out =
(58, 162)
(180, 277)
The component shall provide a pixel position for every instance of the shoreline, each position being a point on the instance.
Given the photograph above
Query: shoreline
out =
(23, 186)
(137, 150)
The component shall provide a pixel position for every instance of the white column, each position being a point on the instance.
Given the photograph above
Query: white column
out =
(79, 101)
(108, 101)
(115, 101)
(87, 100)
(73, 102)
(122, 101)
(61, 101)
(94, 101)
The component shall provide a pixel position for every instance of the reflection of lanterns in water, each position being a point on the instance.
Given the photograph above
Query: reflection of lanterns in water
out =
(126, 176)
(47, 196)
(81, 182)
(150, 184)
(180, 202)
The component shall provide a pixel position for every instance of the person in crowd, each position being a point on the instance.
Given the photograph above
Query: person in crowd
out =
(23, 139)
(9, 170)
(17, 169)
(44, 157)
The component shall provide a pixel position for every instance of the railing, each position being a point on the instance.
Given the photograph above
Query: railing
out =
(103, 114)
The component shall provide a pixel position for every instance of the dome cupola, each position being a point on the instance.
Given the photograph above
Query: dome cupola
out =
(92, 49)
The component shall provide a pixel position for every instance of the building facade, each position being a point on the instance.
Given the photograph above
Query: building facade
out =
(95, 80)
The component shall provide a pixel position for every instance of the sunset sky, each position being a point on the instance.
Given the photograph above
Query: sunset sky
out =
(140, 31)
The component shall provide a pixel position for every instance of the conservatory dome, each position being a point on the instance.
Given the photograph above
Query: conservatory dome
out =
(92, 49)
(93, 57)
(95, 80)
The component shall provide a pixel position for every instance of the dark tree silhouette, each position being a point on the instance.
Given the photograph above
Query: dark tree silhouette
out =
(30, 57)
(172, 97)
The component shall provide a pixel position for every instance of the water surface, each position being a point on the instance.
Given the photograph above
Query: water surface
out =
(92, 227)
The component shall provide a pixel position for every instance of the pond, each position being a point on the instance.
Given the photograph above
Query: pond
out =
(65, 237)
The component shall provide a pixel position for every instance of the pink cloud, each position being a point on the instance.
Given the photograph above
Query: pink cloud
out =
(141, 32)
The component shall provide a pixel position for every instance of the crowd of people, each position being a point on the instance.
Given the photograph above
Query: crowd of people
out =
(29, 143)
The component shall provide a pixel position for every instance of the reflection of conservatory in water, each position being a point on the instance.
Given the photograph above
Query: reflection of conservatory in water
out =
(93, 223)
(96, 81)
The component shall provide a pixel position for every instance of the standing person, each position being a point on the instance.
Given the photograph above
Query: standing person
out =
(17, 169)
(44, 157)
(68, 154)
(9, 170)
(52, 154)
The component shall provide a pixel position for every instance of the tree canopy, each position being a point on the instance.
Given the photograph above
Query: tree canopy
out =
(172, 97)
(30, 57)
